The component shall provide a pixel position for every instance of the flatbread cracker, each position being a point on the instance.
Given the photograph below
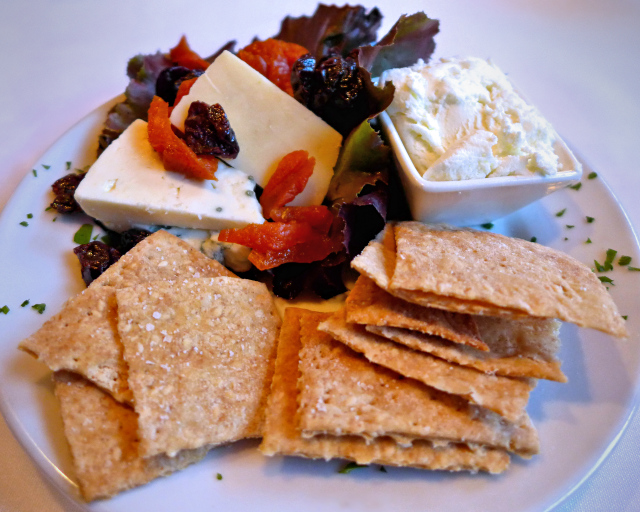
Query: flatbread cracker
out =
(517, 276)
(503, 395)
(282, 437)
(102, 435)
(83, 336)
(343, 393)
(368, 304)
(201, 355)
(522, 348)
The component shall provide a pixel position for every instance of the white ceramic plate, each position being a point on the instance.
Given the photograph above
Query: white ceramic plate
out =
(578, 422)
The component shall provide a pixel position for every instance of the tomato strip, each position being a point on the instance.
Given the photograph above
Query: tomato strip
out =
(288, 180)
(176, 155)
(183, 55)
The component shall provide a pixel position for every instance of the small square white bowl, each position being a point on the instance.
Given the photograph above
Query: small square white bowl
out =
(477, 201)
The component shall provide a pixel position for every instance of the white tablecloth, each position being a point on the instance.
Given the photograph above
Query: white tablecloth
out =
(577, 60)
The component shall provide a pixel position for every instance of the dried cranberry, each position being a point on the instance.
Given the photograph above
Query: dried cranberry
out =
(289, 279)
(129, 238)
(95, 258)
(207, 131)
(65, 189)
(169, 81)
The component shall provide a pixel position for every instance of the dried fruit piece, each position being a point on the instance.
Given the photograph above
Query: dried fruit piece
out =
(65, 189)
(307, 252)
(270, 236)
(288, 180)
(319, 218)
(273, 59)
(170, 81)
(175, 154)
(207, 131)
(95, 258)
(183, 55)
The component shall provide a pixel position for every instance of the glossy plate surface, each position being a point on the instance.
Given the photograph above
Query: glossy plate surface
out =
(578, 422)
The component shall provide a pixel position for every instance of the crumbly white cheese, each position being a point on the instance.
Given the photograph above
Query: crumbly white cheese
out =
(128, 186)
(268, 124)
(460, 119)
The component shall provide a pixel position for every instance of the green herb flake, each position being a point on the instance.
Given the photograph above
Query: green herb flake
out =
(35, 173)
(606, 279)
(213, 186)
(4, 309)
(29, 215)
(534, 239)
(624, 261)
(24, 223)
(83, 235)
(599, 267)
(608, 262)
(350, 467)
(48, 208)
(54, 219)
(25, 303)
(46, 167)
(577, 186)
(625, 317)
(68, 166)
(565, 239)
(570, 226)
(487, 225)
(39, 307)
(95, 237)
(588, 241)
(561, 212)
(633, 269)
(592, 175)
(218, 476)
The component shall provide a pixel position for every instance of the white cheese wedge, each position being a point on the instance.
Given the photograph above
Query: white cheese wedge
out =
(268, 124)
(128, 186)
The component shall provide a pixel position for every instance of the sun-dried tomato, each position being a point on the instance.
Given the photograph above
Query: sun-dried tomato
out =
(319, 218)
(273, 59)
(183, 55)
(288, 180)
(175, 154)
(270, 236)
(307, 252)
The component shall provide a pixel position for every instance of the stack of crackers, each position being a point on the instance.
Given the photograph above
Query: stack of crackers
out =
(431, 361)
(164, 356)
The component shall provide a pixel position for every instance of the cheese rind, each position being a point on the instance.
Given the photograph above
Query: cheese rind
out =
(268, 124)
(128, 186)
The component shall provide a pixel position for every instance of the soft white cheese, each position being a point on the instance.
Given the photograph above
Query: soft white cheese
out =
(268, 124)
(128, 186)
(460, 119)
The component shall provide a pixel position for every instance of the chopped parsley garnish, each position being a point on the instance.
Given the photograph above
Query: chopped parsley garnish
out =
(570, 226)
(213, 186)
(599, 268)
(47, 167)
(219, 209)
(350, 467)
(4, 309)
(83, 235)
(39, 307)
(48, 208)
(606, 279)
(35, 173)
(487, 225)
(68, 166)
(29, 215)
(577, 186)
(608, 262)
(219, 476)
(624, 261)
(561, 212)
(95, 237)
(588, 241)
(565, 239)
(25, 303)
(592, 175)
(24, 223)
(634, 269)
(590, 219)
(54, 219)
(534, 238)
(625, 316)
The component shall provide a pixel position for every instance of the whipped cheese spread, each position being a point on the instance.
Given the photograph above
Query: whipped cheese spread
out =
(461, 119)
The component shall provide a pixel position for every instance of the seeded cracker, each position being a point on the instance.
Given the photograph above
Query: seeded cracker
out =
(102, 435)
(343, 393)
(83, 336)
(201, 355)
(503, 395)
(522, 348)
(282, 437)
(368, 304)
(513, 276)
